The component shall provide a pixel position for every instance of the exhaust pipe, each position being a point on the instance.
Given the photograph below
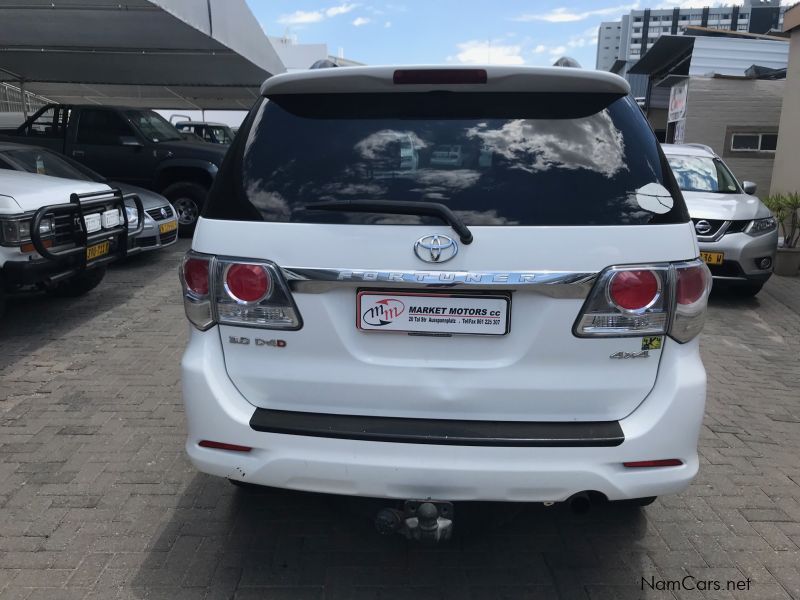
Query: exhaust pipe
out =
(580, 503)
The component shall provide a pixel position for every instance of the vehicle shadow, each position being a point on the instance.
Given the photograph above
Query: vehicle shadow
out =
(34, 319)
(226, 542)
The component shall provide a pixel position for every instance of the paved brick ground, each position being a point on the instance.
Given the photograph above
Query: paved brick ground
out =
(98, 501)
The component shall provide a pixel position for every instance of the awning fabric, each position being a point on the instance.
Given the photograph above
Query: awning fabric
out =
(177, 54)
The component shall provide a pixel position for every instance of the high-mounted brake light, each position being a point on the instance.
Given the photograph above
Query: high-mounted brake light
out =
(439, 76)
(240, 292)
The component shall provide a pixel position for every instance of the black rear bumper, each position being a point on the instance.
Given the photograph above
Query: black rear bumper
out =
(440, 431)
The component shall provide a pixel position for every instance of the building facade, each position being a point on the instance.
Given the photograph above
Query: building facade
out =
(639, 29)
(786, 173)
(608, 40)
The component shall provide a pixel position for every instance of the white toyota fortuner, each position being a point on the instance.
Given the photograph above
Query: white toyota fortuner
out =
(516, 323)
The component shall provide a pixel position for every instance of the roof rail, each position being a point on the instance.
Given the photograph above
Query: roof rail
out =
(702, 147)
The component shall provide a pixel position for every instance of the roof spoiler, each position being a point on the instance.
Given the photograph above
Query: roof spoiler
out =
(424, 78)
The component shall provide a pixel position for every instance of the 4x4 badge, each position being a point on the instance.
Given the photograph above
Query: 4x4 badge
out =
(435, 248)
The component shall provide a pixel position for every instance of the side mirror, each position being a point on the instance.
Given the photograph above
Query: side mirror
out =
(130, 141)
(749, 187)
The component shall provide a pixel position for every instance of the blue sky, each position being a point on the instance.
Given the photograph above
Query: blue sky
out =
(440, 31)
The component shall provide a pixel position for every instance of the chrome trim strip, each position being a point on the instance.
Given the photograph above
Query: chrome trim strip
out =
(561, 284)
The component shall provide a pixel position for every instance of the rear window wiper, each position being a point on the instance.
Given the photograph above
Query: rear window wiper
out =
(399, 207)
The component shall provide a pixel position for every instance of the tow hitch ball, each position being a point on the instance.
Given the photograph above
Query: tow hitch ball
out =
(421, 520)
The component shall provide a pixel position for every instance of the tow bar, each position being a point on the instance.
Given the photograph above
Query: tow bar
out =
(426, 521)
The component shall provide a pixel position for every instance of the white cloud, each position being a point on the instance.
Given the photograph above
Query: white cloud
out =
(387, 24)
(301, 17)
(556, 51)
(476, 52)
(304, 17)
(339, 10)
(359, 21)
(540, 49)
(565, 15)
(587, 38)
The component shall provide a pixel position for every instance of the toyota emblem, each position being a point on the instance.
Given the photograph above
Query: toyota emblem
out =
(435, 248)
(702, 227)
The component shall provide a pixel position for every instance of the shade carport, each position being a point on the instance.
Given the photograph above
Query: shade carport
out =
(174, 54)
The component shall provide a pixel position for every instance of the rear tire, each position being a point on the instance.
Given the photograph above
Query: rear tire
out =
(80, 284)
(188, 199)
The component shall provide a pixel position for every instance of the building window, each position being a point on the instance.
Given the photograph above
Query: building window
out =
(637, 19)
(754, 142)
(742, 27)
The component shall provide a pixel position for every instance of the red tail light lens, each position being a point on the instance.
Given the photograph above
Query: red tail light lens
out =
(247, 283)
(691, 285)
(634, 290)
(195, 274)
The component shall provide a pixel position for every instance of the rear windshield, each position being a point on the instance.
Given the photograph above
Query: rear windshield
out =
(492, 158)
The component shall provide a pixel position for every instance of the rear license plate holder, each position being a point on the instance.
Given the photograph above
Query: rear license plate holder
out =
(425, 313)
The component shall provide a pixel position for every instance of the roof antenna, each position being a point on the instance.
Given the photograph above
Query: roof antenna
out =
(566, 61)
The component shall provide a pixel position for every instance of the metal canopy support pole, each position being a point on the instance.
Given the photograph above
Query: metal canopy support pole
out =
(24, 99)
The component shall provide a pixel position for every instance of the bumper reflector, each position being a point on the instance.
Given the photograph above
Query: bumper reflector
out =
(666, 462)
(224, 446)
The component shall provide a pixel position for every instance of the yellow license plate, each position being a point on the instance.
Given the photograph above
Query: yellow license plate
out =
(97, 250)
(167, 227)
(712, 258)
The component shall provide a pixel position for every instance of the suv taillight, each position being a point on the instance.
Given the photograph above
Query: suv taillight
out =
(656, 299)
(231, 291)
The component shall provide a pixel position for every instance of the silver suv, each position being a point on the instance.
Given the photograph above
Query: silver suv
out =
(737, 234)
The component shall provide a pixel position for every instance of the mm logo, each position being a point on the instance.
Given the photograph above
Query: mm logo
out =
(384, 312)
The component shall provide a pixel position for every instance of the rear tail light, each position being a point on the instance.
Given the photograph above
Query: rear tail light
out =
(654, 299)
(194, 274)
(239, 292)
(247, 284)
(693, 286)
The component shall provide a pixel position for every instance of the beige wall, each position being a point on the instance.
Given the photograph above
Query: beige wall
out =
(715, 105)
(786, 172)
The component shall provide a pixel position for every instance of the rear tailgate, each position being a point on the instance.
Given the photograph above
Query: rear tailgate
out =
(556, 182)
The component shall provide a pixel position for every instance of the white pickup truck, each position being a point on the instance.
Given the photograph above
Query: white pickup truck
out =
(59, 234)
